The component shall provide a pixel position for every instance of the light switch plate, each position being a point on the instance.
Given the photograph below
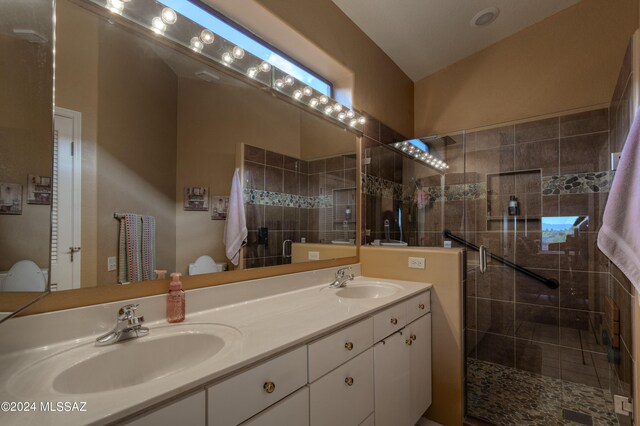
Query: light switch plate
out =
(112, 263)
(416, 262)
(314, 255)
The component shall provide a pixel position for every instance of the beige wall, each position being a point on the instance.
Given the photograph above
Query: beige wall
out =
(26, 145)
(381, 88)
(444, 270)
(300, 251)
(322, 140)
(569, 60)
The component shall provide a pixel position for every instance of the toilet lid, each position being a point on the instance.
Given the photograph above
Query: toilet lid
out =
(203, 265)
(25, 275)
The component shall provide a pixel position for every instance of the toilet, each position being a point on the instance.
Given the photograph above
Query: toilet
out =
(205, 265)
(24, 275)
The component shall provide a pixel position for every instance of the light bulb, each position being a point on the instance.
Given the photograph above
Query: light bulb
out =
(158, 25)
(308, 91)
(362, 120)
(169, 16)
(238, 52)
(207, 37)
(342, 116)
(328, 109)
(351, 114)
(279, 83)
(353, 122)
(337, 107)
(324, 100)
(116, 6)
(265, 67)
(288, 80)
(252, 72)
(313, 102)
(196, 44)
(297, 94)
(227, 58)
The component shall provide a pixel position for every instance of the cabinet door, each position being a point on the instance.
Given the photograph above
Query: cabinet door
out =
(344, 397)
(188, 411)
(293, 410)
(391, 378)
(420, 334)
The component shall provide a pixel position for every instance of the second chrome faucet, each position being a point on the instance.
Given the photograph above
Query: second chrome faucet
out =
(342, 277)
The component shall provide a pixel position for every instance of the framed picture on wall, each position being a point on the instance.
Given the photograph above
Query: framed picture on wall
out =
(39, 190)
(219, 207)
(196, 198)
(10, 198)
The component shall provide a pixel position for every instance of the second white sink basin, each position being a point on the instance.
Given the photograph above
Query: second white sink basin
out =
(169, 349)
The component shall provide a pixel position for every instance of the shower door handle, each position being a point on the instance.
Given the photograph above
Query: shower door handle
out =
(483, 259)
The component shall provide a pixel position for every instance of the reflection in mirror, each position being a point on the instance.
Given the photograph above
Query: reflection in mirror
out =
(26, 99)
(154, 135)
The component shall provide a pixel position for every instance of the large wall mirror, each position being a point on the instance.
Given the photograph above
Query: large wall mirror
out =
(147, 137)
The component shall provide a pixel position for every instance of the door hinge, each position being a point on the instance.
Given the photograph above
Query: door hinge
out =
(73, 145)
(623, 405)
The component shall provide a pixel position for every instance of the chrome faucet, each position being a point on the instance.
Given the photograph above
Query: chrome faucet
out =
(342, 278)
(128, 326)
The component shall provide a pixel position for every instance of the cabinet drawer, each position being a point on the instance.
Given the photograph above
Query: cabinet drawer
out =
(242, 396)
(344, 396)
(188, 411)
(418, 306)
(389, 321)
(293, 410)
(331, 351)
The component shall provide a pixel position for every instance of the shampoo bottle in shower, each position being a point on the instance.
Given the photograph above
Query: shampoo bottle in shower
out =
(514, 206)
(175, 300)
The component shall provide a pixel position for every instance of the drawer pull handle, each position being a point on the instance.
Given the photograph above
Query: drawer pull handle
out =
(409, 342)
(348, 346)
(394, 321)
(421, 306)
(349, 381)
(269, 387)
(413, 337)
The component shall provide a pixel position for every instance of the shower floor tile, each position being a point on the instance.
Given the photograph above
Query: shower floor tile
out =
(507, 396)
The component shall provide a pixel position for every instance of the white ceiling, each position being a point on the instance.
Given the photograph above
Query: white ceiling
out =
(424, 36)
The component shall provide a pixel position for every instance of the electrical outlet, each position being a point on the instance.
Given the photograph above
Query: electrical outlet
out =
(447, 244)
(615, 160)
(416, 262)
(314, 255)
(112, 263)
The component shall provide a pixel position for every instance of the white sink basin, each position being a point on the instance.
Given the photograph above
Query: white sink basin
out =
(167, 350)
(367, 290)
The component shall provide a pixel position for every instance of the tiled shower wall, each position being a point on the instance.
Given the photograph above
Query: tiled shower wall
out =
(295, 199)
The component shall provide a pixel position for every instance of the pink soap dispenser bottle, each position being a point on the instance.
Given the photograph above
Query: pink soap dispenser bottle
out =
(175, 300)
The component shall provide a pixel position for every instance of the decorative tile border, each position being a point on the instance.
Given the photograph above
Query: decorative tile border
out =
(270, 198)
(582, 183)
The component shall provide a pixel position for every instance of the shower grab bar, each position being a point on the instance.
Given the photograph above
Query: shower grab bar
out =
(549, 282)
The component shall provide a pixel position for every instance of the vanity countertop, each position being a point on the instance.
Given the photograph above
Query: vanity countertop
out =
(263, 327)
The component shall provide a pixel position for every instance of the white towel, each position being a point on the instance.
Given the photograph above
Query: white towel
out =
(619, 237)
(235, 229)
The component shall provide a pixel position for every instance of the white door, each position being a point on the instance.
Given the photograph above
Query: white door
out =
(65, 208)
(420, 363)
(391, 377)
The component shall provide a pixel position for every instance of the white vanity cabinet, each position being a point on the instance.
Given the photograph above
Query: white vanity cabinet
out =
(187, 411)
(293, 410)
(242, 396)
(403, 369)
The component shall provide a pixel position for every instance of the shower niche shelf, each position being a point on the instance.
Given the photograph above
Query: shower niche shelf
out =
(526, 185)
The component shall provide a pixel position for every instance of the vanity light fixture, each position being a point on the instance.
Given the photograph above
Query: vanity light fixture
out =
(328, 109)
(279, 83)
(196, 44)
(297, 94)
(350, 114)
(288, 80)
(308, 91)
(169, 16)
(207, 36)
(252, 72)
(227, 58)
(362, 120)
(115, 6)
(238, 52)
(157, 25)
(313, 102)
(418, 150)
(324, 100)
(337, 107)
(342, 116)
(353, 122)
(265, 66)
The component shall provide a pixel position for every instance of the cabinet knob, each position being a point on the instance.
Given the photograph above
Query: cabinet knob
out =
(409, 342)
(394, 321)
(413, 337)
(348, 346)
(421, 306)
(349, 381)
(269, 387)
